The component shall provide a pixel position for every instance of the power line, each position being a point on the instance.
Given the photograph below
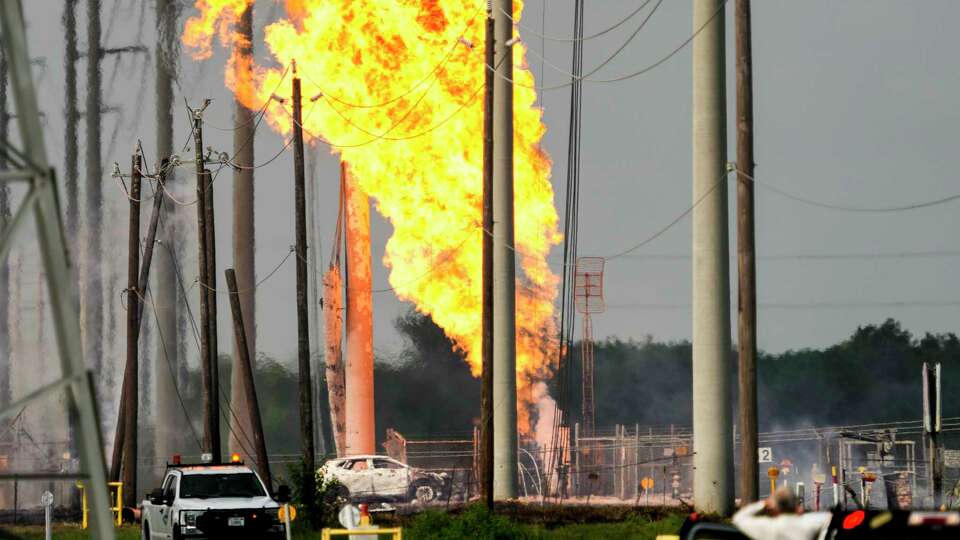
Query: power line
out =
(844, 208)
(814, 256)
(578, 77)
(576, 39)
(640, 306)
(627, 76)
(196, 336)
(669, 225)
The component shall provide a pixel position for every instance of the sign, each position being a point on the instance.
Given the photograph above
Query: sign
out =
(951, 458)
(282, 513)
(765, 454)
(646, 483)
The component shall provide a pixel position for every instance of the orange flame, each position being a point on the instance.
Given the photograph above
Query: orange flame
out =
(396, 89)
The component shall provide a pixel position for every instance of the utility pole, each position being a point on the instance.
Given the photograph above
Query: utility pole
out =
(243, 224)
(504, 263)
(93, 299)
(5, 336)
(131, 386)
(211, 291)
(486, 344)
(71, 115)
(712, 414)
(208, 367)
(931, 425)
(168, 436)
(303, 323)
(124, 427)
(246, 368)
(746, 260)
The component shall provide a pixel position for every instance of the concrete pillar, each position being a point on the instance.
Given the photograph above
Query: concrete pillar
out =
(712, 408)
(360, 422)
(244, 244)
(168, 436)
(504, 265)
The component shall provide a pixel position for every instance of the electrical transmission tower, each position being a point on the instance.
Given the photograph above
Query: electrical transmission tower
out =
(588, 293)
(30, 165)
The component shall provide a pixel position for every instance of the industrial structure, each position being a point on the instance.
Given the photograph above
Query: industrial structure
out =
(529, 440)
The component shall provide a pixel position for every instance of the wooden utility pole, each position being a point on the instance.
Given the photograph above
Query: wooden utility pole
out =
(486, 344)
(746, 260)
(243, 224)
(246, 374)
(118, 459)
(131, 383)
(211, 290)
(211, 404)
(932, 423)
(303, 330)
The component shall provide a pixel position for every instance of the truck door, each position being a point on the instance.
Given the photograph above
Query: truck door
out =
(161, 526)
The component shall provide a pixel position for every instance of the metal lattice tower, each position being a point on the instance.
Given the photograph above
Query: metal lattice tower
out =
(31, 166)
(588, 294)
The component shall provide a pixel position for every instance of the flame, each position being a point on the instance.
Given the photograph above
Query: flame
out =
(397, 88)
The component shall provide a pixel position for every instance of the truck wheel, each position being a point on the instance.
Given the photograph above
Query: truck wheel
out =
(145, 531)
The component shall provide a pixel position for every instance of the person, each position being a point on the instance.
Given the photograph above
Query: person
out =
(780, 517)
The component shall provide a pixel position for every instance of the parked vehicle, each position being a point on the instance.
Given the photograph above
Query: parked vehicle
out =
(212, 501)
(368, 478)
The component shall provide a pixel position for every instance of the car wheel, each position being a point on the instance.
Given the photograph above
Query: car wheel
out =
(145, 531)
(424, 493)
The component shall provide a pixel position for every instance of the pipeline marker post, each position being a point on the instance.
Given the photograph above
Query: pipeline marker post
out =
(47, 501)
(836, 494)
(772, 474)
(287, 514)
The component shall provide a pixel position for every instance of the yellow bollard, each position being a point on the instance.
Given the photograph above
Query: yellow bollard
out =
(118, 505)
(116, 509)
(83, 505)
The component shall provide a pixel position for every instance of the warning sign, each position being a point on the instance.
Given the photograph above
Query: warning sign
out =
(951, 458)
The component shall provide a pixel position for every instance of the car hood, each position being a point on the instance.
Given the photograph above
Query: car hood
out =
(228, 503)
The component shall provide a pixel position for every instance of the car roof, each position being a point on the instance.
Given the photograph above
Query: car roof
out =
(213, 469)
(361, 456)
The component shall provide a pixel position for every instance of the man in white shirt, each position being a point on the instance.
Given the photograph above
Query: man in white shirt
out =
(780, 517)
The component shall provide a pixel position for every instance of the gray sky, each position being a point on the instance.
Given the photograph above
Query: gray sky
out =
(854, 100)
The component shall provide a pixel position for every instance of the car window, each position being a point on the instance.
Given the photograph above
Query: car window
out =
(357, 465)
(203, 486)
(170, 487)
(386, 464)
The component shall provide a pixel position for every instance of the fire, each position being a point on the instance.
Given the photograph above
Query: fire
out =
(397, 88)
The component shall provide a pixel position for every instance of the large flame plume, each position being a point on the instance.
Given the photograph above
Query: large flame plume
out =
(397, 88)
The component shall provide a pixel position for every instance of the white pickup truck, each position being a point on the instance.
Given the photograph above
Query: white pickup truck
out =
(212, 501)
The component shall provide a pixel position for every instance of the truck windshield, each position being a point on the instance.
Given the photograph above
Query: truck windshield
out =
(205, 486)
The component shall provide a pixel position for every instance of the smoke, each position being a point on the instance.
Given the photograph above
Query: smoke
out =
(546, 410)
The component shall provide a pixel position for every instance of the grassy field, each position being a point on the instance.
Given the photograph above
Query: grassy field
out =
(473, 522)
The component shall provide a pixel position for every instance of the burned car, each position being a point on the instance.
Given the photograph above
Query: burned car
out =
(373, 478)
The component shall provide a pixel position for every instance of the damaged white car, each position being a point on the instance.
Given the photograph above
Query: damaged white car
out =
(370, 478)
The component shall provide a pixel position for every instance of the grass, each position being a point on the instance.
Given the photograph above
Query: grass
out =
(472, 522)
